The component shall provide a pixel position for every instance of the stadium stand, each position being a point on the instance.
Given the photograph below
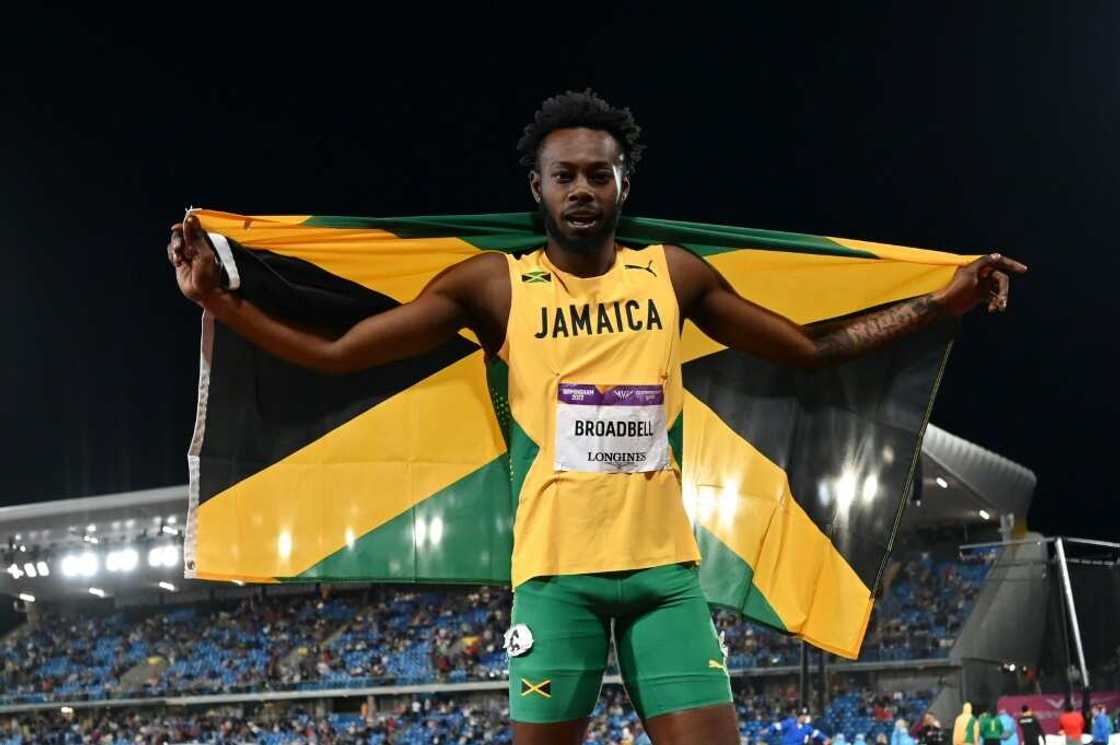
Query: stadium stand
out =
(400, 636)
(429, 720)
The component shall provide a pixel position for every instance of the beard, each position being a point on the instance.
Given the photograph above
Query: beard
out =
(587, 243)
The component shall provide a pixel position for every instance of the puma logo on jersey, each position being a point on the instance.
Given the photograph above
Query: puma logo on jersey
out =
(647, 268)
(716, 665)
(537, 276)
(601, 318)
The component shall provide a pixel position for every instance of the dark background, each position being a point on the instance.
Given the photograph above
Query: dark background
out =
(967, 127)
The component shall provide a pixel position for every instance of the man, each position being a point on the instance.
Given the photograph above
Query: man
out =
(931, 733)
(901, 733)
(965, 727)
(1102, 725)
(597, 540)
(991, 728)
(1032, 730)
(1071, 724)
(798, 729)
(1010, 728)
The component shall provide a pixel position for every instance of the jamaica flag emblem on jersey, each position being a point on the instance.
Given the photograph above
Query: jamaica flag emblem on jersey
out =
(795, 481)
(537, 276)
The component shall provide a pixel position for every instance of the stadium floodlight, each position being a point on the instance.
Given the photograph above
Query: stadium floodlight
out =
(846, 489)
(88, 564)
(870, 488)
(15, 571)
(97, 591)
(124, 560)
(91, 539)
(30, 571)
(129, 559)
(942, 483)
(44, 570)
(27, 597)
(163, 556)
(984, 514)
(70, 565)
(167, 586)
(91, 528)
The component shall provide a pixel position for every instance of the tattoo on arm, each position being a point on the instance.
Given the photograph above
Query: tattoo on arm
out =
(871, 331)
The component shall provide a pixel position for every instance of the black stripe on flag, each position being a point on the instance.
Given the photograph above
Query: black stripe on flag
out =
(270, 408)
(846, 436)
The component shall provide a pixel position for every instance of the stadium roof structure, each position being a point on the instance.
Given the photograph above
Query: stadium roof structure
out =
(961, 482)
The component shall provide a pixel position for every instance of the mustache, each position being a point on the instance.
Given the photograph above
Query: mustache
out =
(583, 244)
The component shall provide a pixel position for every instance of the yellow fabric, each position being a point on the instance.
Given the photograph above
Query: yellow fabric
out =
(740, 497)
(572, 522)
(386, 451)
(961, 725)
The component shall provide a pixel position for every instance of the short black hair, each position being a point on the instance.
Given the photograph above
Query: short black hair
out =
(584, 108)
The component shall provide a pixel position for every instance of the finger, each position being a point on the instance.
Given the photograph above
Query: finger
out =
(1010, 265)
(1004, 288)
(988, 264)
(190, 227)
(175, 249)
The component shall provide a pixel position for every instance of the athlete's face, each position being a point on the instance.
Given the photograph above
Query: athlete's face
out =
(580, 186)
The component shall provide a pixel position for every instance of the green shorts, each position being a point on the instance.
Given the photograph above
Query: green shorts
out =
(668, 652)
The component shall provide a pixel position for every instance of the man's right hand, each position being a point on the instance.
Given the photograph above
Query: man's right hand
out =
(196, 265)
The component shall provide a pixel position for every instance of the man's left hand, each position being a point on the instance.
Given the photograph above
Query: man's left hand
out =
(985, 280)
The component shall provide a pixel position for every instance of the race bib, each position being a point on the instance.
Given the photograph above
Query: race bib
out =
(611, 429)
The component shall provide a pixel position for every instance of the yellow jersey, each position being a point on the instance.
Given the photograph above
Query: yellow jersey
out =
(595, 395)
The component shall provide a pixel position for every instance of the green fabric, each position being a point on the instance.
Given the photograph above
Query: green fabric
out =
(668, 651)
(727, 577)
(991, 728)
(519, 231)
(970, 731)
(473, 516)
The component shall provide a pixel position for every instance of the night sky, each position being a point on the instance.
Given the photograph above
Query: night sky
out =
(975, 127)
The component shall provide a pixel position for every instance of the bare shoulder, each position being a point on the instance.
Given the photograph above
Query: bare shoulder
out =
(480, 286)
(488, 265)
(487, 272)
(690, 274)
(684, 262)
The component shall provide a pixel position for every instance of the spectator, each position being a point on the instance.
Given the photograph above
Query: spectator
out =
(1071, 724)
(1010, 728)
(901, 734)
(1032, 730)
(991, 728)
(965, 727)
(1102, 725)
(930, 733)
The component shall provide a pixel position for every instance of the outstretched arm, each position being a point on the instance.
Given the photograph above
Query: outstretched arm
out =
(453, 300)
(708, 299)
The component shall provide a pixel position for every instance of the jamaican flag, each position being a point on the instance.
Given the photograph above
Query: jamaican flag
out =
(796, 481)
